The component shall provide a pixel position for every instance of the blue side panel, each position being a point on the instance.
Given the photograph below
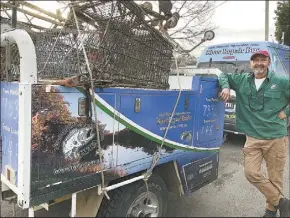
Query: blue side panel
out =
(198, 119)
(9, 126)
(209, 113)
(65, 157)
(155, 111)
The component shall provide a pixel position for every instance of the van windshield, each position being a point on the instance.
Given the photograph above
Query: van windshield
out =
(228, 67)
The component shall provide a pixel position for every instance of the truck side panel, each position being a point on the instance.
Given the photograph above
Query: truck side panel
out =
(65, 157)
(9, 131)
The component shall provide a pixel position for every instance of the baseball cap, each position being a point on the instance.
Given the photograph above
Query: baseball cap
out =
(261, 52)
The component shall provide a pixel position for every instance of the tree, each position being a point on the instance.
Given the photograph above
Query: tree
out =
(282, 22)
(195, 19)
(186, 60)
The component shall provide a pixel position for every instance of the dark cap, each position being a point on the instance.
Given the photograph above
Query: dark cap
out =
(261, 52)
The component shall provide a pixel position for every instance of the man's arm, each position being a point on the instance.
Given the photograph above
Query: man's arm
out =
(287, 93)
(286, 112)
(229, 81)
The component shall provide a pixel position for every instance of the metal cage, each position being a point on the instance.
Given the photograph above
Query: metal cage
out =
(122, 49)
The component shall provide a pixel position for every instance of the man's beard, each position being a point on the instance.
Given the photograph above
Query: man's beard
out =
(259, 70)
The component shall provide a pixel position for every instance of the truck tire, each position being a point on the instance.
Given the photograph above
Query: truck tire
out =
(129, 200)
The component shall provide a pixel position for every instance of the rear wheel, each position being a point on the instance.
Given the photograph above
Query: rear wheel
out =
(131, 200)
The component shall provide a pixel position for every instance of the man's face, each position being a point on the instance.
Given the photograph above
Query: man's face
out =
(260, 64)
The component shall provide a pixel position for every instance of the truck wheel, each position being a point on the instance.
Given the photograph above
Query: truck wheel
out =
(130, 200)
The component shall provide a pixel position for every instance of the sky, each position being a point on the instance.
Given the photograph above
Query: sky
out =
(241, 21)
(236, 20)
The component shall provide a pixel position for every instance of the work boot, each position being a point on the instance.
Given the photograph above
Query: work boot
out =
(284, 207)
(269, 213)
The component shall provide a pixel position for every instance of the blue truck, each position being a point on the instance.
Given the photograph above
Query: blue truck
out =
(114, 150)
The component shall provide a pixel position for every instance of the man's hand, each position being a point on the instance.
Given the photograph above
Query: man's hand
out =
(225, 94)
(282, 115)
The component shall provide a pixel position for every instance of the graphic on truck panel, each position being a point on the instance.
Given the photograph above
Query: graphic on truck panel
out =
(63, 144)
(9, 130)
(107, 108)
(64, 148)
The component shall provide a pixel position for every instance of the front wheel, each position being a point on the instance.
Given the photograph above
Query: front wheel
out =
(131, 200)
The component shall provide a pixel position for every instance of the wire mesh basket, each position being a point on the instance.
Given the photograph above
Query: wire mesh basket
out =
(10, 63)
(122, 49)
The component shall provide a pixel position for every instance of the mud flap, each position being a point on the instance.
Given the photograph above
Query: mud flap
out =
(200, 173)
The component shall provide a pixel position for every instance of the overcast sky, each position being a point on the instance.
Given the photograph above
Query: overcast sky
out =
(242, 21)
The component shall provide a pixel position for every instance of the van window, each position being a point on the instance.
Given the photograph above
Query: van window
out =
(276, 64)
(285, 57)
(228, 67)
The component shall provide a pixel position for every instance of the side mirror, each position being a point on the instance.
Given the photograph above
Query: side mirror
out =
(208, 35)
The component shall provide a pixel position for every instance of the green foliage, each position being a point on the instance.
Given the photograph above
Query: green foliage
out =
(283, 21)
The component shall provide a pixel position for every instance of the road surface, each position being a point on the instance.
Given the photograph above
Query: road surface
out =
(231, 195)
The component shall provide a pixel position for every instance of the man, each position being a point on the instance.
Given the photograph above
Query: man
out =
(261, 113)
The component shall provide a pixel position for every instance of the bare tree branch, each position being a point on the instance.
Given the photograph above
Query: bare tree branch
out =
(195, 19)
(181, 6)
